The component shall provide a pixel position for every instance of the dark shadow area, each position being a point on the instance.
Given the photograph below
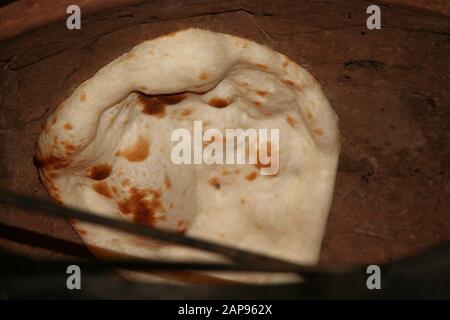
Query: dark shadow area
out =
(43, 241)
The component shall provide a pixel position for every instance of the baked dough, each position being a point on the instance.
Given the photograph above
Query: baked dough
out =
(107, 149)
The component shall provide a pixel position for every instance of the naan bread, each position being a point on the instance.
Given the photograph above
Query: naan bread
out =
(107, 149)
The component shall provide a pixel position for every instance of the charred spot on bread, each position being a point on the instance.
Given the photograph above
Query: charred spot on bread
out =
(99, 171)
(155, 105)
(152, 106)
(54, 162)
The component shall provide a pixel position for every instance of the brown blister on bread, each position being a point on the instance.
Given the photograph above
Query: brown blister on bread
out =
(218, 102)
(291, 120)
(152, 106)
(251, 176)
(99, 171)
(171, 99)
(203, 76)
(262, 66)
(262, 93)
(70, 148)
(156, 105)
(47, 178)
(102, 188)
(214, 182)
(138, 152)
(257, 104)
(288, 82)
(318, 131)
(186, 112)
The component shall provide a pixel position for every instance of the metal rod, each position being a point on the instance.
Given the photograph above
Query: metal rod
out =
(241, 257)
(144, 264)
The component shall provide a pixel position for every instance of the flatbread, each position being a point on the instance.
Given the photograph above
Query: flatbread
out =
(107, 149)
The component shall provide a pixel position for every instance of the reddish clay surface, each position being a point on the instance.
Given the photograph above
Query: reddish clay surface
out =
(389, 88)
